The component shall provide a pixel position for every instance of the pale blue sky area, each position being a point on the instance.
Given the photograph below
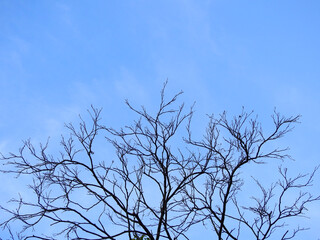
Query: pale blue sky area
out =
(58, 57)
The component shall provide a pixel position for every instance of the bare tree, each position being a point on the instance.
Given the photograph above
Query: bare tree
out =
(244, 143)
(161, 182)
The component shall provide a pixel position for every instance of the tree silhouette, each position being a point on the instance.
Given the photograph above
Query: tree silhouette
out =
(162, 181)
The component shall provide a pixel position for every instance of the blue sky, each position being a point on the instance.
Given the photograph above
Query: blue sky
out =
(58, 57)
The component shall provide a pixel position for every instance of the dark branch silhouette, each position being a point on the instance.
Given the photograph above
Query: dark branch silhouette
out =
(161, 182)
(242, 143)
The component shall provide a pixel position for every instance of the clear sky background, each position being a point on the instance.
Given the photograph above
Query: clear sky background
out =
(58, 57)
